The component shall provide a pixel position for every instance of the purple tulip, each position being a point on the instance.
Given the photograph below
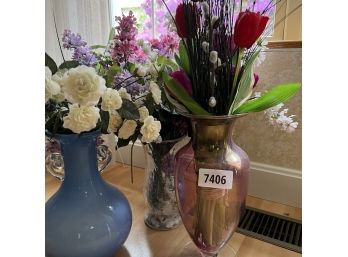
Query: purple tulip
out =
(183, 80)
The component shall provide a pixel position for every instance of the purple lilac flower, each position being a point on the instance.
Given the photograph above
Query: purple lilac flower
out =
(126, 80)
(70, 40)
(84, 56)
(82, 53)
(125, 45)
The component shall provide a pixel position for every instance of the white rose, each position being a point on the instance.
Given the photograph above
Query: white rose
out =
(115, 121)
(123, 93)
(111, 100)
(150, 130)
(81, 118)
(144, 112)
(83, 86)
(156, 92)
(127, 129)
(52, 88)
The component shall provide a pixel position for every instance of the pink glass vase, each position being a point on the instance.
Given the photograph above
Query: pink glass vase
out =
(211, 214)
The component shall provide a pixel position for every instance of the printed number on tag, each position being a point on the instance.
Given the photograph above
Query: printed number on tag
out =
(215, 178)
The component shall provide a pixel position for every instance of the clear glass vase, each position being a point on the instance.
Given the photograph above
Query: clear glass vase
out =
(211, 211)
(159, 190)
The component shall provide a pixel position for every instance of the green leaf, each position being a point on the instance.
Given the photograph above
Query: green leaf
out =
(69, 65)
(177, 59)
(244, 89)
(122, 142)
(162, 61)
(275, 96)
(183, 96)
(149, 103)
(97, 46)
(50, 63)
(114, 69)
(104, 117)
(131, 67)
(184, 59)
(129, 110)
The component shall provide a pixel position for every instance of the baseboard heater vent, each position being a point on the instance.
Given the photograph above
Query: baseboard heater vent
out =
(272, 228)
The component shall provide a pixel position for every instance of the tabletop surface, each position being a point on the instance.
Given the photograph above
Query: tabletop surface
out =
(145, 242)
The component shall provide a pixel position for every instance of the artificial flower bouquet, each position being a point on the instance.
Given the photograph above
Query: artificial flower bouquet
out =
(220, 43)
(102, 91)
(115, 88)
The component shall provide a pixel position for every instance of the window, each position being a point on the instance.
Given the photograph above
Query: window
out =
(153, 17)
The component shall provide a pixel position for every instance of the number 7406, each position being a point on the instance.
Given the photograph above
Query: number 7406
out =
(215, 179)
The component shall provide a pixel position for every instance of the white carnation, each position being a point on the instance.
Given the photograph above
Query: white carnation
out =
(144, 112)
(83, 86)
(81, 118)
(127, 129)
(150, 130)
(52, 88)
(156, 92)
(123, 93)
(115, 121)
(57, 77)
(111, 100)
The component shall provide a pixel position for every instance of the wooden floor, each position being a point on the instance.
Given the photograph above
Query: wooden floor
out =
(144, 242)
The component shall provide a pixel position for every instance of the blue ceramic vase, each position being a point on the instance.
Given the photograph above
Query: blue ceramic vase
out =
(86, 217)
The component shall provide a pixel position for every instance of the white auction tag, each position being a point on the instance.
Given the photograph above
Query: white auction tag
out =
(215, 178)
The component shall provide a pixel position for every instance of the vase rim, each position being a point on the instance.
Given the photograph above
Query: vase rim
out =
(171, 140)
(83, 134)
(213, 117)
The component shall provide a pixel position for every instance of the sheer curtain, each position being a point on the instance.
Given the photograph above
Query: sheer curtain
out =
(90, 18)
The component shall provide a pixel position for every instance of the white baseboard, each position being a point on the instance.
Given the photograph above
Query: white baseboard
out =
(273, 183)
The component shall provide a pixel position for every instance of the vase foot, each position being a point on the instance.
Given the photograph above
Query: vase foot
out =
(191, 250)
(162, 222)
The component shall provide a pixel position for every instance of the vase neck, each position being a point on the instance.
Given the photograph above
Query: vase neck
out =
(215, 133)
(80, 157)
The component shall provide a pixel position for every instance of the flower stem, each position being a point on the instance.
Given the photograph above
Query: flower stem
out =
(132, 162)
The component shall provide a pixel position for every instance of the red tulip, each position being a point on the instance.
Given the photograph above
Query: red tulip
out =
(183, 80)
(181, 20)
(248, 28)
